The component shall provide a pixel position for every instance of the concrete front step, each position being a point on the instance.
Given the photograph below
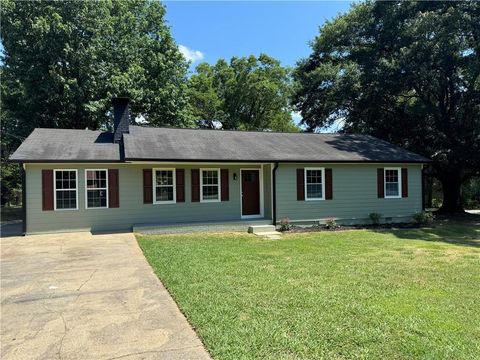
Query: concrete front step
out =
(274, 235)
(260, 229)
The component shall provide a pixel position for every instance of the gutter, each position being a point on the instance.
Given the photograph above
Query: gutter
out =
(274, 194)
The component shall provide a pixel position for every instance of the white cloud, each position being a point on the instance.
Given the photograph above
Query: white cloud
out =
(189, 54)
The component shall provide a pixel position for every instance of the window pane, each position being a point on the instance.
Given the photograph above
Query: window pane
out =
(314, 191)
(314, 176)
(96, 198)
(391, 176)
(65, 180)
(391, 189)
(96, 179)
(66, 199)
(210, 177)
(164, 193)
(164, 177)
(210, 192)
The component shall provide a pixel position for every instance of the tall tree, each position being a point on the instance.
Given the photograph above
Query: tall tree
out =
(247, 93)
(64, 60)
(406, 72)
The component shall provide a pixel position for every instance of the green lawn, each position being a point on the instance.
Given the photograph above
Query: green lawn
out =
(349, 294)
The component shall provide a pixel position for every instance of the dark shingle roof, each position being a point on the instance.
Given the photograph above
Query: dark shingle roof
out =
(214, 145)
(65, 145)
(169, 144)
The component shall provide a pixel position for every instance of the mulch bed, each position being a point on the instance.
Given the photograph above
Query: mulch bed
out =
(315, 228)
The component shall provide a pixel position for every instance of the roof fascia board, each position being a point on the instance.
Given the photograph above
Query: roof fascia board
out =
(131, 160)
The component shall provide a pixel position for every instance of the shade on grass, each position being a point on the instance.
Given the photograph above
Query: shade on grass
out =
(352, 294)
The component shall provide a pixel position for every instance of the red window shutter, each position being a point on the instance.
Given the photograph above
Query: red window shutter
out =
(180, 184)
(147, 186)
(195, 185)
(47, 189)
(380, 183)
(224, 184)
(404, 182)
(328, 184)
(300, 184)
(113, 189)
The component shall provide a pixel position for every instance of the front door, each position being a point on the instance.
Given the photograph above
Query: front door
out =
(250, 192)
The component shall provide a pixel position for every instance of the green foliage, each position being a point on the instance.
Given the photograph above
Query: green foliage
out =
(64, 61)
(285, 224)
(375, 218)
(423, 217)
(327, 295)
(331, 224)
(247, 93)
(471, 193)
(406, 72)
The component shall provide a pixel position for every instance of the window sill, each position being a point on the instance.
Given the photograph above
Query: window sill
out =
(314, 199)
(164, 202)
(210, 201)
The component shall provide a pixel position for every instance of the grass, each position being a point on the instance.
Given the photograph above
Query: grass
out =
(337, 295)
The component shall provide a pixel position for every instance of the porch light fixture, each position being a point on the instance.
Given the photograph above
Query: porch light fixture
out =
(234, 176)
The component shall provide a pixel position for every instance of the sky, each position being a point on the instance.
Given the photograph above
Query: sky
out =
(208, 31)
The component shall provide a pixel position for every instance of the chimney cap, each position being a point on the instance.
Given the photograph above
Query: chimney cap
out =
(120, 98)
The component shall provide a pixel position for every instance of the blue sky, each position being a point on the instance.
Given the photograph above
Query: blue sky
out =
(210, 30)
(207, 31)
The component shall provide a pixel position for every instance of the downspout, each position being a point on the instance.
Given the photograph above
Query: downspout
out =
(24, 199)
(274, 194)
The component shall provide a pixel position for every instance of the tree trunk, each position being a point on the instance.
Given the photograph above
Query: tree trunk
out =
(428, 192)
(451, 187)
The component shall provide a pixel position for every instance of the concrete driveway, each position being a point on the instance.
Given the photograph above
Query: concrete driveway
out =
(83, 296)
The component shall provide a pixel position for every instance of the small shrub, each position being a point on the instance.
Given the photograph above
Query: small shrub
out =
(423, 217)
(375, 218)
(285, 224)
(436, 203)
(331, 224)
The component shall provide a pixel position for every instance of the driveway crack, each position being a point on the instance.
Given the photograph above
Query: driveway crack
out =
(86, 281)
(65, 330)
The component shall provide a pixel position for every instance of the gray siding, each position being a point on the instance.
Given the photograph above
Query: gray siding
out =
(354, 197)
(354, 194)
(132, 210)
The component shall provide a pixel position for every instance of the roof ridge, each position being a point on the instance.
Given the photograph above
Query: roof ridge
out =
(69, 129)
(242, 131)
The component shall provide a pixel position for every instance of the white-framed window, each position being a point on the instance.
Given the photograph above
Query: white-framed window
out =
(393, 182)
(96, 188)
(65, 189)
(314, 183)
(209, 185)
(164, 186)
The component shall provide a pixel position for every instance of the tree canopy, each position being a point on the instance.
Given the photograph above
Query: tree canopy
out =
(249, 93)
(63, 62)
(406, 72)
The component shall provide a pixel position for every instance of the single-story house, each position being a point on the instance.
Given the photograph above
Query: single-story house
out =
(102, 181)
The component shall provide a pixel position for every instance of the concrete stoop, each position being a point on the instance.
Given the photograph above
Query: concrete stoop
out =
(267, 231)
(274, 235)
